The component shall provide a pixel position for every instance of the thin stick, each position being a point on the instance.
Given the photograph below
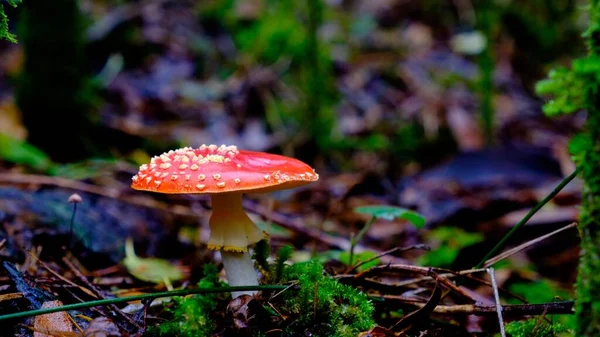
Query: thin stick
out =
(514, 310)
(446, 275)
(388, 252)
(534, 210)
(108, 301)
(95, 290)
(283, 290)
(497, 300)
(64, 279)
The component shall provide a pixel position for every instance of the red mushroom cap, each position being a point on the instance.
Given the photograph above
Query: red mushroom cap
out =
(218, 169)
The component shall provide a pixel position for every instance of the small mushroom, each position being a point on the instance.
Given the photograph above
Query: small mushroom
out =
(225, 173)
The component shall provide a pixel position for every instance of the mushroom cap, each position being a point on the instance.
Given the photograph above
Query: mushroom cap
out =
(219, 169)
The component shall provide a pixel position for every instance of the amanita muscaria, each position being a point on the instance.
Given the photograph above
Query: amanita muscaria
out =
(225, 173)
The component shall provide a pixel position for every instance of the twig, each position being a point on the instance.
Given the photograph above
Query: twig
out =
(497, 300)
(407, 268)
(16, 178)
(85, 290)
(446, 275)
(293, 284)
(388, 252)
(10, 296)
(413, 269)
(367, 281)
(112, 193)
(534, 210)
(525, 245)
(452, 287)
(411, 319)
(464, 273)
(108, 301)
(518, 310)
(98, 294)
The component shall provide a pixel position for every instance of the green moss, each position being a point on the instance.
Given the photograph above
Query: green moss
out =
(574, 89)
(535, 328)
(322, 306)
(194, 316)
(566, 89)
(5, 34)
(587, 157)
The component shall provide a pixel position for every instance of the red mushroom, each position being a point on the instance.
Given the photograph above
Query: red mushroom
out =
(225, 173)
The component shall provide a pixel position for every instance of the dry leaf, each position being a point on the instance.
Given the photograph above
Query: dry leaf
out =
(102, 327)
(54, 324)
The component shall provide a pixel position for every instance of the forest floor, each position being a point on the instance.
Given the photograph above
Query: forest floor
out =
(408, 135)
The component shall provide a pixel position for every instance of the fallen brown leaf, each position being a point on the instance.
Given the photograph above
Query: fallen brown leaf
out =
(54, 324)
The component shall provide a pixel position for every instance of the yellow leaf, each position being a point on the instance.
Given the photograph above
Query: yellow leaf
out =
(152, 270)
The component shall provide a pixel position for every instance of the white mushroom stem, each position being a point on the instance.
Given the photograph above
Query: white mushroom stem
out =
(240, 271)
(232, 231)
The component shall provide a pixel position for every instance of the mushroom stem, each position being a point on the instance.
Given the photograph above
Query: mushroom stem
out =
(240, 271)
(231, 232)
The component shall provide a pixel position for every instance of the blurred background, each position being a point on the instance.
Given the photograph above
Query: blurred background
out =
(425, 104)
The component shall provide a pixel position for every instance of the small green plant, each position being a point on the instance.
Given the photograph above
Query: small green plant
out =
(357, 258)
(387, 212)
(384, 212)
(322, 306)
(194, 316)
(271, 273)
(450, 241)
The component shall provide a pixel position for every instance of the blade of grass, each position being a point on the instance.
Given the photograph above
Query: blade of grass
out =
(107, 301)
(526, 218)
(525, 245)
